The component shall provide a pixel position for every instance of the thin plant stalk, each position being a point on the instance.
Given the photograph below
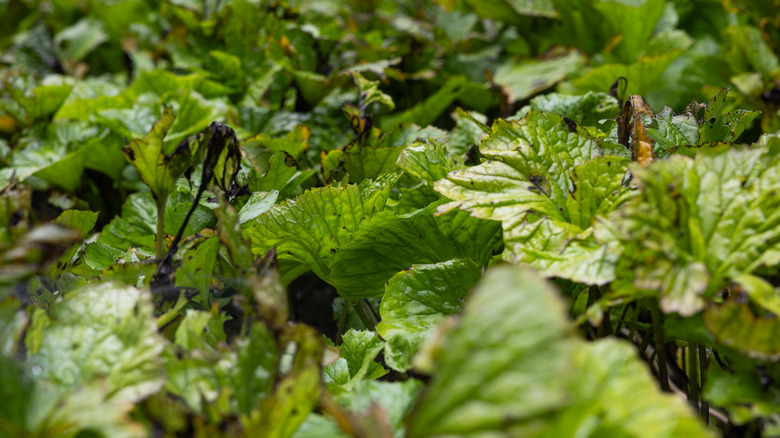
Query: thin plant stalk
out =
(703, 364)
(366, 314)
(693, 375)
(658, 337)
(160, 246)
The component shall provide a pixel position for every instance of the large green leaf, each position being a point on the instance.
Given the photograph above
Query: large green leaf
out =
(619, 397)
(104, 330)
(507, 370)
(545, 180)
(390, 243)
(503, 364)
(621, 27)
(417, 300)
(698, 223)
(38, 407)
(311, 228)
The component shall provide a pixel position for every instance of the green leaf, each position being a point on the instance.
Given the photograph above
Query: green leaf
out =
(417, 300)
(584, 110)
(427, 111)
(520, 81)
(312, 227)
(749, 51)
(502, 365)
(734, 324)
(390, 243)
(741, 392)
(545, 180)
(428, 162)
(258, 203)
(198, 261)
(710, 219)
(370, 92)
(158, 170)
(275, 160)
(207, 371)
(104, 330)
(76, 41)
(39, 102)
(82, 221)
(356, 362)
(319, 426)
(201, 330)
(394, 399)
(620, 397)
(506, 370)
(100, 256)
(644, 76)
(297, 393)
(53, 164)
(37, 407)
(176, 211)
(511, 10)
(252, 378)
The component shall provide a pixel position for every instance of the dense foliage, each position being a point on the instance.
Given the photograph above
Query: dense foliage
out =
(378, 218)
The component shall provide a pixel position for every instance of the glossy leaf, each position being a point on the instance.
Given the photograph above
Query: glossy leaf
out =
(311, 228)
(356, 361)
(390, 243)
(417, 300)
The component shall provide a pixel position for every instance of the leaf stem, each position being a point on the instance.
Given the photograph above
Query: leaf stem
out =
(160, 242)
(703, 363)
(660, 347)
(693, 375)
(366, 314)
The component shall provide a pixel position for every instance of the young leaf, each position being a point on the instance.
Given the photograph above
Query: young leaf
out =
(356, 362)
